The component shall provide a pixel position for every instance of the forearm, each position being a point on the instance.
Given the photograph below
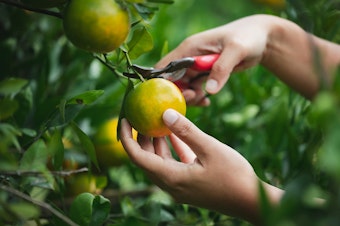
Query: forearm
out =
(299, 59)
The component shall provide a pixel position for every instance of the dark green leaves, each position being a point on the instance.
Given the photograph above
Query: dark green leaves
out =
(90, 210)
(140, 43)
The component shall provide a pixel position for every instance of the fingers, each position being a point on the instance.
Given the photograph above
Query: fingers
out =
(146, 159)
(185, 154)
(222, 69)
(185, 130)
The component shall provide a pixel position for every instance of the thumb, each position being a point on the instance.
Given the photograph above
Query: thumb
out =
(185, 130)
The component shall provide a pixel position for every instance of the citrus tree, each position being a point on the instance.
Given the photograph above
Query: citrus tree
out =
(62, 91)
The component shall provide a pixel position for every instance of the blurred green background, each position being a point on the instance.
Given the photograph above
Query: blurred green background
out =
(291, 142)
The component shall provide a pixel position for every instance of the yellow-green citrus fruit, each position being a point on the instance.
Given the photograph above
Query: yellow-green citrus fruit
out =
(146, 103)
(80, 183)
(110, 152)
(96, 25)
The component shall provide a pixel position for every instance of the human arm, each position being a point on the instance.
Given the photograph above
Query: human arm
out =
(278, 44)
(209, 174)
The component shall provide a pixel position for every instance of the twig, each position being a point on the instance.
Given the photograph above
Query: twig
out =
(43, 205)
(29, 8)
(35, 173)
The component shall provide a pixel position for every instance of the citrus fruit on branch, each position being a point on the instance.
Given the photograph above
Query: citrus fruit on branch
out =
(145, 104)
(110, 152)
(98, 26)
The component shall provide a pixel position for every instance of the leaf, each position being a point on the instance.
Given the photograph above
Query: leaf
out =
(35, 158)
(100, 210)
(140, 43)
(9, 134)
(122, 112)
(12, 86)
(86, 97)
(86, 143)
(81, 209)
(7, 108)
(56, 149)
(24, 210)
(60, 118)
(90, 210)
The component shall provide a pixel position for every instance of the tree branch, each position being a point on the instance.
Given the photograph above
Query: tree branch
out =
(29, 8)
(43, 205)
(37, 173)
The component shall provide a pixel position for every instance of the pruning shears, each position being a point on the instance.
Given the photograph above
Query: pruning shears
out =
(175, 69)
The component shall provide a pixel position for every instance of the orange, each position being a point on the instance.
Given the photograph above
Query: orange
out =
(145, 105)
(80, 183)
(44, 3)
(96, 25)
(110, 151)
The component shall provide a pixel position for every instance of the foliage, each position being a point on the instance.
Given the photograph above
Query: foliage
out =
(51, 92)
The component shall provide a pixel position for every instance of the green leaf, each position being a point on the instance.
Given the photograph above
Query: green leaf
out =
(9, 133)
(129, 87)
(56, 149)
(12, 86)
(86, 97)
(60, 118)
(86, 143)
(100, 210)
(35, 158)
(7, 108)
(24, 210)
(140, 43)
(90, 210)
(81, 209)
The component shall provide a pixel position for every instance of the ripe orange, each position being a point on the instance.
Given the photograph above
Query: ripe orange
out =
(145, 105)
(44, 3)
(110, 151)
(96, 26)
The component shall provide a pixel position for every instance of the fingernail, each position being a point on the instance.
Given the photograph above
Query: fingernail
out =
(170, 116)
(211, 85)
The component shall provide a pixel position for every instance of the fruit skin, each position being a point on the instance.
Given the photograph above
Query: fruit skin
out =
(96, 25)
(110, 152)
(80, 183)
(145, 105)
(44, 3)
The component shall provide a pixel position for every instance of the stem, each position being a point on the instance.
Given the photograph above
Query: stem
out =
(29, 8)
(109, 66)
(43, 205)
(130, 65)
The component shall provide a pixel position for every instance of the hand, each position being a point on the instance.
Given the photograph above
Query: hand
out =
(209, 174)
(241, 44)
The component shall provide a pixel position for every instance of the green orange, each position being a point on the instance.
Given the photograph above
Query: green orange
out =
(98, 26)
(110, 152)
(146, 103)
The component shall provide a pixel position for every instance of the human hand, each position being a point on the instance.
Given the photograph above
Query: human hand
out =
(208, 174)
(241, 44)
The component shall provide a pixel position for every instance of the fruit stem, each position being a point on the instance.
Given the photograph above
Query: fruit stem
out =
(26, 7)
(130, 64)
(108, 65)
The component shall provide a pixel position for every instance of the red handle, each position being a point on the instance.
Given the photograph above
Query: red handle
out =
(204, 62)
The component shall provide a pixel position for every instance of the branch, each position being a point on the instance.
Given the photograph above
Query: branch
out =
(43, 205)
(37, 173)
(29, 8)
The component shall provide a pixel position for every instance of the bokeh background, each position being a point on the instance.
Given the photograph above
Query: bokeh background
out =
(291, 142)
